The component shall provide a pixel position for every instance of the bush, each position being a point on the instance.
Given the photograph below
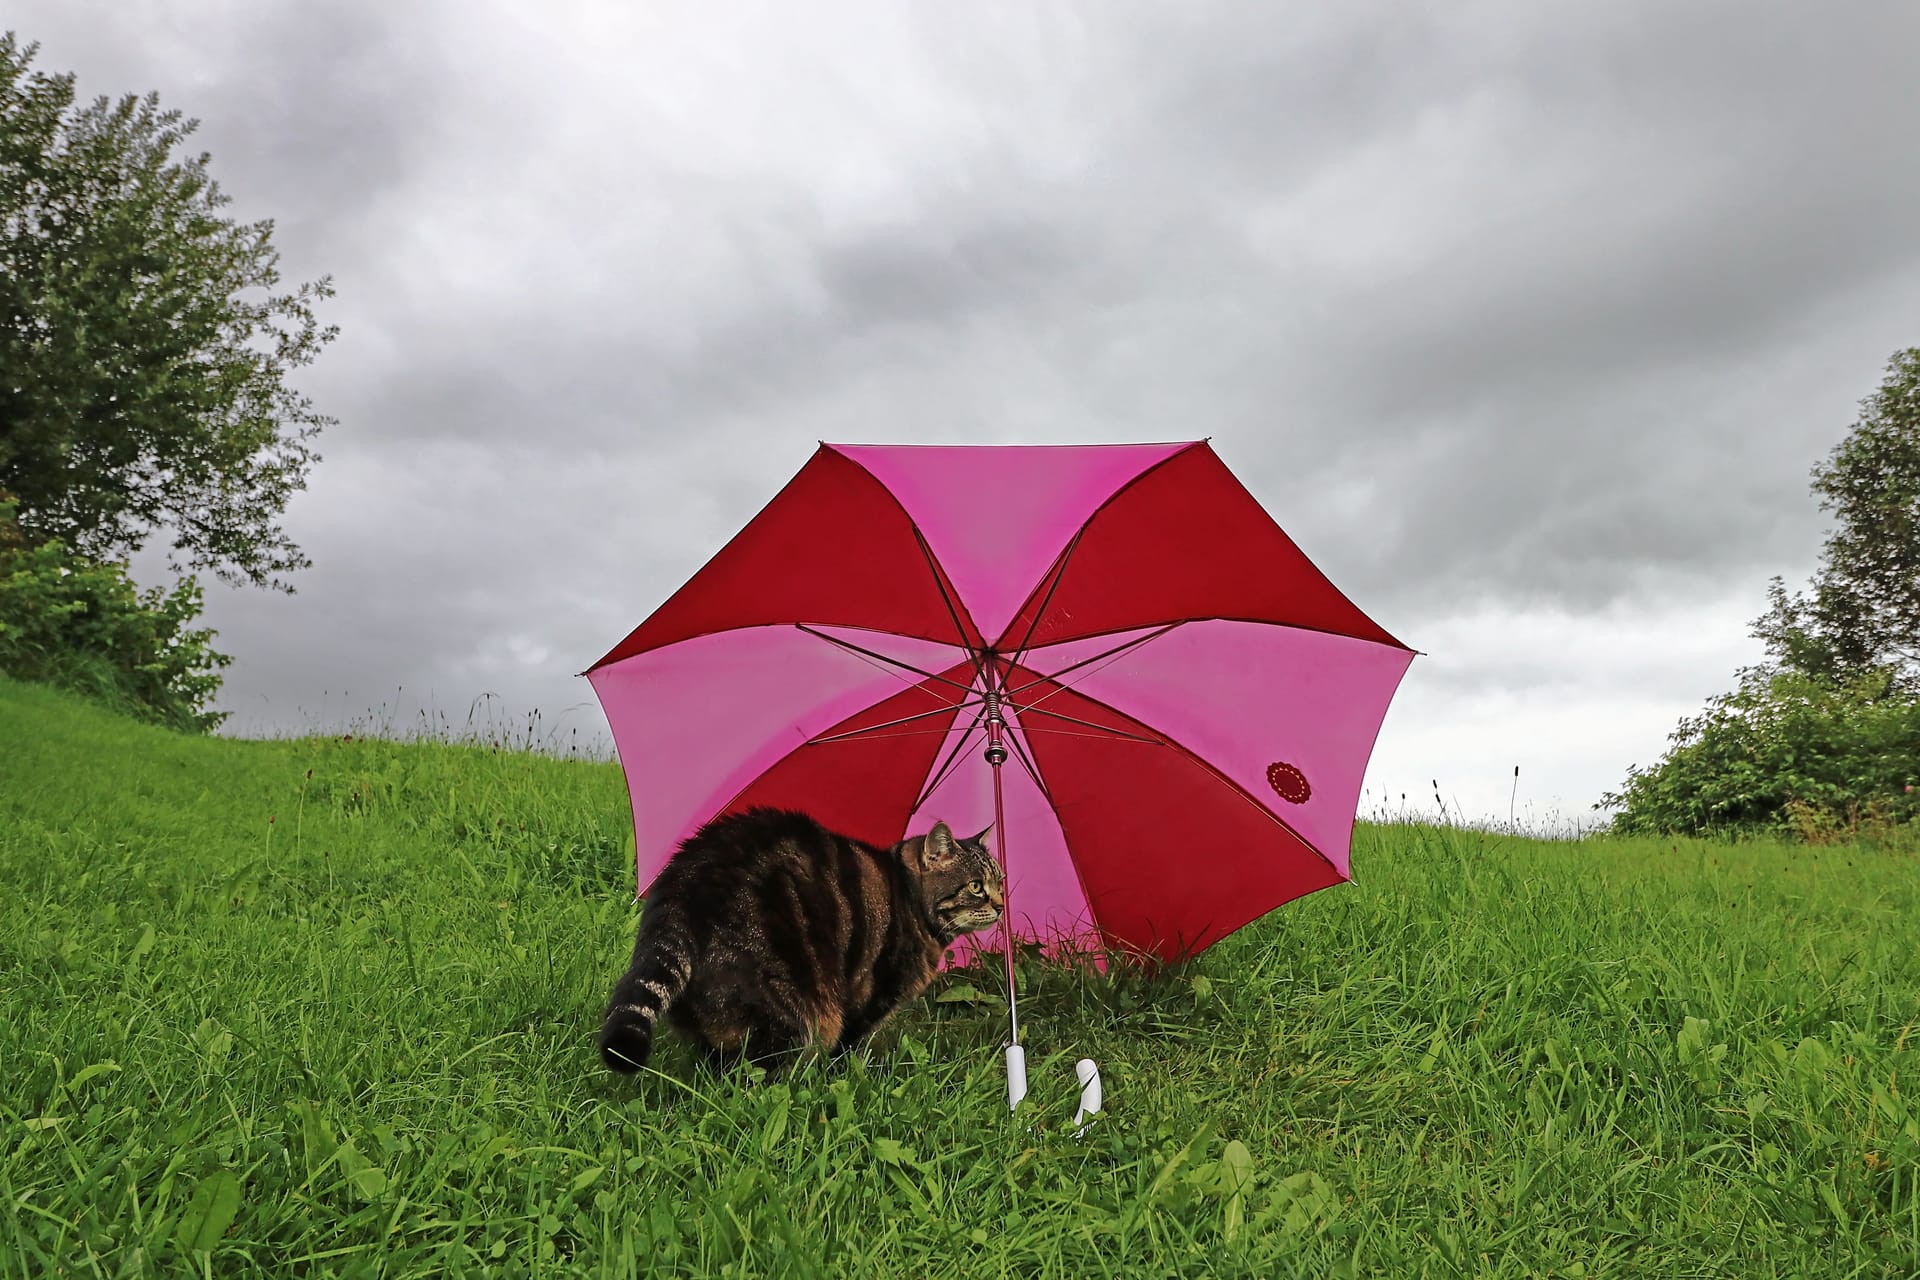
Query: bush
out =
(82, 624)
(1787, 751)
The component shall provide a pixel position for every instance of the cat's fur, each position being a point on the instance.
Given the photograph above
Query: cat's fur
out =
(766, 932)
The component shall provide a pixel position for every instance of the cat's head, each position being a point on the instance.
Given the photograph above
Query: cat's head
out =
(960, 882)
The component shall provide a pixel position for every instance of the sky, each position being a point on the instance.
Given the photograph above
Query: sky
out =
(1526, 321)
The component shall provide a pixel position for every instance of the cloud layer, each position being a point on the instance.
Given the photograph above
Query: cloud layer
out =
(1526, 321)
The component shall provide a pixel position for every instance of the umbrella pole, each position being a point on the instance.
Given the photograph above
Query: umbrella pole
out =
(996, 757)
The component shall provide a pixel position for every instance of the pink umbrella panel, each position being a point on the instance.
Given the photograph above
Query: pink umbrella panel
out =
(1189, 705)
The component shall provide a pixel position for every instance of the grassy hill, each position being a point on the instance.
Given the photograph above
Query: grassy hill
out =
(326, 1007)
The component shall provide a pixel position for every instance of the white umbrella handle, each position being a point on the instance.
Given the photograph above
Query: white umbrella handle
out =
(1016, 1076)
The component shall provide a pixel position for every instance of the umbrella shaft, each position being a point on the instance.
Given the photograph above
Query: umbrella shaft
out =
(997, 756)
(1006, 908)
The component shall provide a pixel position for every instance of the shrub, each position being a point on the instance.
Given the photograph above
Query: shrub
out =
(83, 625)
(1787, 751)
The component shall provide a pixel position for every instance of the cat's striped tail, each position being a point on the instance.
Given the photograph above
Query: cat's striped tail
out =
(662, 964)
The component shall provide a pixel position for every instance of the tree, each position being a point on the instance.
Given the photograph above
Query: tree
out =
(1863, 612)
(1826, 734)
(144, 349)
(83, 625)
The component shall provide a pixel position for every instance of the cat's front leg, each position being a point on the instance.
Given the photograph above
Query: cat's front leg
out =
(857, 1027)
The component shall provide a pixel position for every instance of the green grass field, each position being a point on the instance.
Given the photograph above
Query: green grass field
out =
(326, 1007)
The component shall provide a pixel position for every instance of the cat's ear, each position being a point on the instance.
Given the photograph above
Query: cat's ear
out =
(937, 849)
(981, 839)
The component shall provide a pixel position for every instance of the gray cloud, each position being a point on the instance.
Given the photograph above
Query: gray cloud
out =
(1507, 309)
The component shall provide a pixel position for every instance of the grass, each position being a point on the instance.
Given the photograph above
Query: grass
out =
(325, 1008)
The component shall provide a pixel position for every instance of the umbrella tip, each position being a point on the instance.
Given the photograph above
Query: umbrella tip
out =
(1090, 1100)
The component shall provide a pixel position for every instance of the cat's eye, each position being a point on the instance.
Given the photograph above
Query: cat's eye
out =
(973, 886)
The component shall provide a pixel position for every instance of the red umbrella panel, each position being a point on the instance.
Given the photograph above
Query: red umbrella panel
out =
(1184, 704)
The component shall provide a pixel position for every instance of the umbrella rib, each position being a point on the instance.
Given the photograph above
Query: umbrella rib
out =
(951, 708)
(1114, 652)
(1335, 632)
(953, 612)
(1059, 575)
(871, 735)
(1105, 731)
(1102, 736)
(1020, 752)
(1033, 771)
(1208, 766)
(946, 766)
(850, 647)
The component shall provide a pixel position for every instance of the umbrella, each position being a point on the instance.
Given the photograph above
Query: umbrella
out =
(1111, 653)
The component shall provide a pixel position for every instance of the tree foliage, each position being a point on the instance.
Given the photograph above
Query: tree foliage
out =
(145, 344)
(1782, 743)
(81, 624)
(1826, 733)
(1862, 611)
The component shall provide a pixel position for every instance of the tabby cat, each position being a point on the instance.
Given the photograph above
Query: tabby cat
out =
(766, 932)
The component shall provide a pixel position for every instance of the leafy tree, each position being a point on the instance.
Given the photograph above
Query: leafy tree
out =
(144, 349)
(81, 624)
(1826, 734)
(1863, 612)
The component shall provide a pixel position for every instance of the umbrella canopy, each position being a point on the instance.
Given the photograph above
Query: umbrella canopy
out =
(1187, 704)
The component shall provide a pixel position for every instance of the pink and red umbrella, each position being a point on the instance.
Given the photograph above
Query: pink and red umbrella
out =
(1183, 703)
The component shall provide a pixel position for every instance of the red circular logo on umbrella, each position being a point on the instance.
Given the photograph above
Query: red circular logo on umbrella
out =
(1288, 782)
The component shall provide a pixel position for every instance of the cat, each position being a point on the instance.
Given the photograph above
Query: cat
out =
(766, 933)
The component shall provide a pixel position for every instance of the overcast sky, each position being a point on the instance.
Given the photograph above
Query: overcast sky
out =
(1526, 321)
